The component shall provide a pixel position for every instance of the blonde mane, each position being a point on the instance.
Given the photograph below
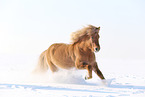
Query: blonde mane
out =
(75, 36)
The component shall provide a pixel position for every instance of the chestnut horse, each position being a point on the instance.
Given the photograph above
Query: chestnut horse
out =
(79, 54)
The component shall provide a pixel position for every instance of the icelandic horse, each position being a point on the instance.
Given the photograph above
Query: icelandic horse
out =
(78, 54)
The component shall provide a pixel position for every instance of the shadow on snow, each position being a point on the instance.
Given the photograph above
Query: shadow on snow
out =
(35, 87)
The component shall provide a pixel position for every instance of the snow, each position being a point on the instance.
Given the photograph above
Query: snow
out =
(124, 78)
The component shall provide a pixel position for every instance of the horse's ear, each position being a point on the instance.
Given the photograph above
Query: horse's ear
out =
(99, 28)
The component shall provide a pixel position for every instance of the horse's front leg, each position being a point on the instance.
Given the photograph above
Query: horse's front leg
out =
(97, 71)
(89, 69)
(84, 65)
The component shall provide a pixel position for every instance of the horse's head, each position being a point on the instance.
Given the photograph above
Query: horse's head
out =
(93, 33)
(88, 35)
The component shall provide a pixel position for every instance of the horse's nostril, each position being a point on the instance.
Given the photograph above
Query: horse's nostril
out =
(96, 49)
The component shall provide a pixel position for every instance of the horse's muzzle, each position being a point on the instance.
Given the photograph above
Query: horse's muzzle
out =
(96, 49)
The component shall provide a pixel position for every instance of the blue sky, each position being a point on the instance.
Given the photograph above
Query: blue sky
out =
(31, 26)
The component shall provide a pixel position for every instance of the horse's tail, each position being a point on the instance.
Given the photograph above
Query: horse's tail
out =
(42, 66)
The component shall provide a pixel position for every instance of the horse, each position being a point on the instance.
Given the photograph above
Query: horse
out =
(78, 54)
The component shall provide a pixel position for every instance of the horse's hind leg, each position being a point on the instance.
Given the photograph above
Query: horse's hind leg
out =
(97, 71)
(52, 67)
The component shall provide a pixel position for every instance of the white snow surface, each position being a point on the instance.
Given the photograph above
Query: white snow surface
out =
(124, 78)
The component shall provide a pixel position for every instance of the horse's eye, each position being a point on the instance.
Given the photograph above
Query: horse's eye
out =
(92, 37)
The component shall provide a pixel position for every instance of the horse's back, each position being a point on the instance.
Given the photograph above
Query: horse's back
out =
(59, 54)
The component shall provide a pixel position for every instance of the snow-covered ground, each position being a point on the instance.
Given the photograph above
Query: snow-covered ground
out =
(125, 78)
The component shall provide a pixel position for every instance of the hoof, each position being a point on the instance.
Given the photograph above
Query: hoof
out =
(86, 78)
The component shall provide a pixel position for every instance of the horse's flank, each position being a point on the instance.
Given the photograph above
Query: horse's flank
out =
(62, 55)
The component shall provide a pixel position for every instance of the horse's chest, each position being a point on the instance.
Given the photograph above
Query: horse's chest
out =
(89, 58)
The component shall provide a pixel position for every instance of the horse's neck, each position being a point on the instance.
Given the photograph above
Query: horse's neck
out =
(84, 47)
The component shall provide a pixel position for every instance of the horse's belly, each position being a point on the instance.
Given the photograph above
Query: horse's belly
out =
(63, 63)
